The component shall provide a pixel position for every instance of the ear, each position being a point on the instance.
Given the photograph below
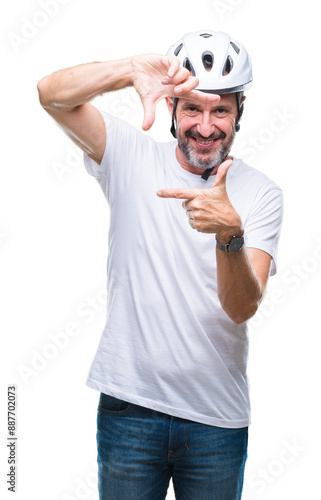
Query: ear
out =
(169, 102)
(238, 119)
(241, 104)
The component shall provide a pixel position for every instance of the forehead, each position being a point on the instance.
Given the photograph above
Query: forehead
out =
(225, 99)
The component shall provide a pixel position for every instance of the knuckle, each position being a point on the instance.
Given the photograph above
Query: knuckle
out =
(200, 197)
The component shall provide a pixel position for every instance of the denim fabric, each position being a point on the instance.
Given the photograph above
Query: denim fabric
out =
(139, 450)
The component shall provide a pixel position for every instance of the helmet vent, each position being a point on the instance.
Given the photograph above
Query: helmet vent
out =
(187, 64)
(178, 49)
(208, 60)
(228, 66)
(206, 35)
(235, 47)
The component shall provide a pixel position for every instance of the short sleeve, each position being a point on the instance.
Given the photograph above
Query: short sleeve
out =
(126, 147)
(263, 225)
(93, 168)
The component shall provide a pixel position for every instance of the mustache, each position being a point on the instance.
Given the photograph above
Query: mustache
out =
(196, 135)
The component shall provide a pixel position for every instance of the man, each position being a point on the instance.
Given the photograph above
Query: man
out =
(171, 363)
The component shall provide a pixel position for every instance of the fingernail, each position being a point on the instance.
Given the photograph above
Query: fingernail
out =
(171, 74)
(178, 90)
(165, 82)
(159, 193)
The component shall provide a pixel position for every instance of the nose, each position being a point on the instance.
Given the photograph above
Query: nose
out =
(206, 124)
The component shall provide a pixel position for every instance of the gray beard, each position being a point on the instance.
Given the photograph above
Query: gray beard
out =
(195, 159)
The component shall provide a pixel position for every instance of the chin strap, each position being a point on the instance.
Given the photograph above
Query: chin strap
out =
(240, 109)
(173, 128)
(209, 170)
(207, 173)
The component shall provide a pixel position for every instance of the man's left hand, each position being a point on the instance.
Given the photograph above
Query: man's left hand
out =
(210, 210)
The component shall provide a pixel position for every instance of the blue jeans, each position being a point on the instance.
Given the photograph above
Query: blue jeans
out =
(139, 450)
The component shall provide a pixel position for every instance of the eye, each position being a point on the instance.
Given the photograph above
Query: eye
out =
(221, 112)
(190, 109)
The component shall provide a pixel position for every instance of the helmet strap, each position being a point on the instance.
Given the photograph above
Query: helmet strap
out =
(208, 171)
(240, 109)
(173, 127)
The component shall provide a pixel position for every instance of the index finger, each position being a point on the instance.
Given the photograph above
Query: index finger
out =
(174, 67)
(183, 194)
(198, 95)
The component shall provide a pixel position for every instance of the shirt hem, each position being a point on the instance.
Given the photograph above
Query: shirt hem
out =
(175, 412)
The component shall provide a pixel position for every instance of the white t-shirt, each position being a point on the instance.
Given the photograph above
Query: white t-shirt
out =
(167, 343)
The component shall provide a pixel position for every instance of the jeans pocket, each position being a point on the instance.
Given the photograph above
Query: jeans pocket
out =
(108, 405)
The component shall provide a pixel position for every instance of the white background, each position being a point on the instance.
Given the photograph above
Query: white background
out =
(54, 228)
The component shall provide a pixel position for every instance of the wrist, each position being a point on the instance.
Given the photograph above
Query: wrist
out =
(123, 73)
(232, 246)
(131, 70)
(225, 236)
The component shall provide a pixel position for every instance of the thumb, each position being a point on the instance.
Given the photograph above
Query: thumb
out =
(220, 179)
(149, 113)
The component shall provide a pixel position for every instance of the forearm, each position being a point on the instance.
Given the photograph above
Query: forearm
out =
(239, 289)
(75, 86)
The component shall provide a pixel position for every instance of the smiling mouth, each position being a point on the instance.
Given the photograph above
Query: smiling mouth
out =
(204, 143)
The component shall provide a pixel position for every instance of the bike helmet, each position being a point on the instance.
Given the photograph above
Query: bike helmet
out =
(221, 64)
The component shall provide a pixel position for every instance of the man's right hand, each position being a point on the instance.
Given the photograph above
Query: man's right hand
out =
(156, 76)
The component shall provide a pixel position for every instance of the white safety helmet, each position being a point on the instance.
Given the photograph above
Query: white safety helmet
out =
(221, 64)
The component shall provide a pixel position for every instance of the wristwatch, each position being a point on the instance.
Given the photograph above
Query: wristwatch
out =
(234, 245)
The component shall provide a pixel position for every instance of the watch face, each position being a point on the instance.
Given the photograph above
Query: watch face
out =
(236, 244)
